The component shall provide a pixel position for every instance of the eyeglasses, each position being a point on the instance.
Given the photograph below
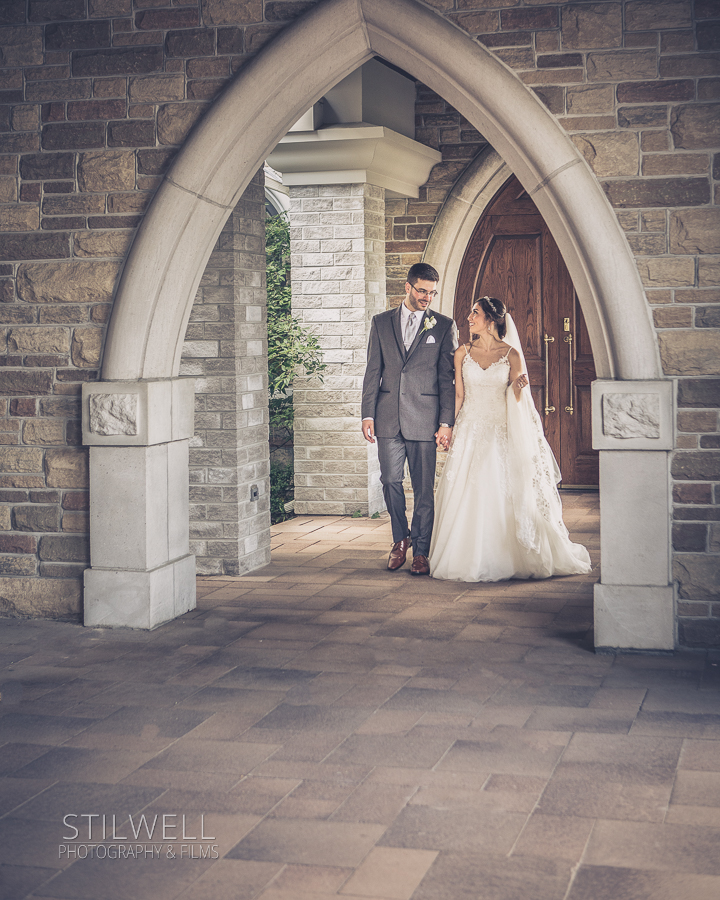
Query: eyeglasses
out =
(430, 295)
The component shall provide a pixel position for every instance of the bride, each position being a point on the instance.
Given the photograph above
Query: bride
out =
(498, 511)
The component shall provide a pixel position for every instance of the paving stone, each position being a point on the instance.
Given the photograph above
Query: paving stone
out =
(464, 830)
(231, 879)
(456, 876)
(308, 842)
(676, 848)
(486, 759)
(609, 882)
(79, 764)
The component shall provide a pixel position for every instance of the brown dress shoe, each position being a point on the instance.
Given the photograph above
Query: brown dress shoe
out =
(398, 554)
(420, 565)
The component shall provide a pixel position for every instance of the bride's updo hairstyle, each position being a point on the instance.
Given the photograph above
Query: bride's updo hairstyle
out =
(494, 309)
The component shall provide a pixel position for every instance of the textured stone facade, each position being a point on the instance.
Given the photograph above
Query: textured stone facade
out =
(337, 247)
(408, 222)
(95, 99)
(226, 350)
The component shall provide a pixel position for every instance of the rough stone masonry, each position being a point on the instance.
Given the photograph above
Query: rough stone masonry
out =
(96, 97)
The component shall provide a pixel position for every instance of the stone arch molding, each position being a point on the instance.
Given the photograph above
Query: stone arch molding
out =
(142, 572)
(460, 213)
(215, 165)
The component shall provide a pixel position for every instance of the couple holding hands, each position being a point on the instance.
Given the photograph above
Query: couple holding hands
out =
(498, 511)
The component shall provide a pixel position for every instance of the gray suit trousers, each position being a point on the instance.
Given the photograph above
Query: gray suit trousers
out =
(421, 455)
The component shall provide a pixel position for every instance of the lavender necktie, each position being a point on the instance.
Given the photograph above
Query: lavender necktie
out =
(409, 331)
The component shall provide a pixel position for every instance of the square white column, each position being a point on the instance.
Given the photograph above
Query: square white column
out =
(634, 604)
(337, 243)
(142, 573)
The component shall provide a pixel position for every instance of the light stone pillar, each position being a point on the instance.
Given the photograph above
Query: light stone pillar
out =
(633, 430)
(225, 351)
(142, 573)
(337, 244)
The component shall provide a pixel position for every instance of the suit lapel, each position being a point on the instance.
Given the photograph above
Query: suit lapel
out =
(397, 328)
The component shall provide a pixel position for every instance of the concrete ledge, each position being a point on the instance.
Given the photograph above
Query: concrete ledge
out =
(122, 599)
(629, 617)
(351, 154)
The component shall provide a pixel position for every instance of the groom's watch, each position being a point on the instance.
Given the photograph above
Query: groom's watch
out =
(445, 425)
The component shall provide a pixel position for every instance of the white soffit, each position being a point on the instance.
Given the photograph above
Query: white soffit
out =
(354, 154)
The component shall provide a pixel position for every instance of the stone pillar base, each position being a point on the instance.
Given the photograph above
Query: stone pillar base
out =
(117, 598)
(633, 430)
(631, 617)
(142, 573)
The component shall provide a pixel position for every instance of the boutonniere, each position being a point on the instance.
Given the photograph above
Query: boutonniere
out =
(429, 323)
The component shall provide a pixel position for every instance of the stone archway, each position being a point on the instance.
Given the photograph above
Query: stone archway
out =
(460, 213)
(212, 170)
(274, 89)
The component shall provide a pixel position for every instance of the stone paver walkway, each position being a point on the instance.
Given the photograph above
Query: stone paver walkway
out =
(351, 733)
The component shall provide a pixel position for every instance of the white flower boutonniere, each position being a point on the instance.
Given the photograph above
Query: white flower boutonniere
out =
(429, 323)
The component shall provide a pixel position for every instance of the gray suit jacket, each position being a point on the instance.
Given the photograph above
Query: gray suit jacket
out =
(409, 393)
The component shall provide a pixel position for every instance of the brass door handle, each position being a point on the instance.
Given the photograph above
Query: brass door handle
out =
(548, 407)
(568, 341)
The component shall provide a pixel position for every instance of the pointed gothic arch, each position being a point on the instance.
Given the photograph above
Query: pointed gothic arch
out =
(634, 604)
(215, 165)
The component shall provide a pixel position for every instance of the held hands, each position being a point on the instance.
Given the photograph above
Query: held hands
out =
(442, 437)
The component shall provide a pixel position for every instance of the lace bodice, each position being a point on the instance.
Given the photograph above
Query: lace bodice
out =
(484, 401)
(482, 419)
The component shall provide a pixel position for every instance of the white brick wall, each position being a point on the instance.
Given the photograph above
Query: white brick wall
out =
(337, 244)
(226, 348)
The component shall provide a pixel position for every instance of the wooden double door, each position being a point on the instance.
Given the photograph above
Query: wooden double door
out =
(513, 256)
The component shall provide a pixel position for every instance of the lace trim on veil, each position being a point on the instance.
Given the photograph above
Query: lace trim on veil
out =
(532, 468)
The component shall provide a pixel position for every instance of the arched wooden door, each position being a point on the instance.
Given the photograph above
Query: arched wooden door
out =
(513, 256)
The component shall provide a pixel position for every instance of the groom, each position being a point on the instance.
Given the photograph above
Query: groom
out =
(408, 404)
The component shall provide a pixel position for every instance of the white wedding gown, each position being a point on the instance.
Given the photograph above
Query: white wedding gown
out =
(497, 512)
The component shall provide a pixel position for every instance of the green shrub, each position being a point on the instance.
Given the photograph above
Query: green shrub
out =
(282, 486)
(291, 348)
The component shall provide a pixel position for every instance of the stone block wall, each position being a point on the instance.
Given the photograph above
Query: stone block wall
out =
(408, 222)
(337, 247)
(97, 95)
(95, 98)
(225, 351)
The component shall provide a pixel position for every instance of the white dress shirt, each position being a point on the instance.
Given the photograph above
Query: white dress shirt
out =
(416, 317)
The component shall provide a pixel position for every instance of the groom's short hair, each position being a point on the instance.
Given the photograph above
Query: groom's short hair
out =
(422, 272)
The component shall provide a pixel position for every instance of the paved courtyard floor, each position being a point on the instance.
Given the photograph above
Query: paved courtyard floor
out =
(347, 732)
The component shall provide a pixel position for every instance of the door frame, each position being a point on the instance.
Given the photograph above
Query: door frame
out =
(457, 229)
(229, 144)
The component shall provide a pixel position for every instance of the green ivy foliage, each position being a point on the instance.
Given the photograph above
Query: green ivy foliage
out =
(291, 347)
(282, 486)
